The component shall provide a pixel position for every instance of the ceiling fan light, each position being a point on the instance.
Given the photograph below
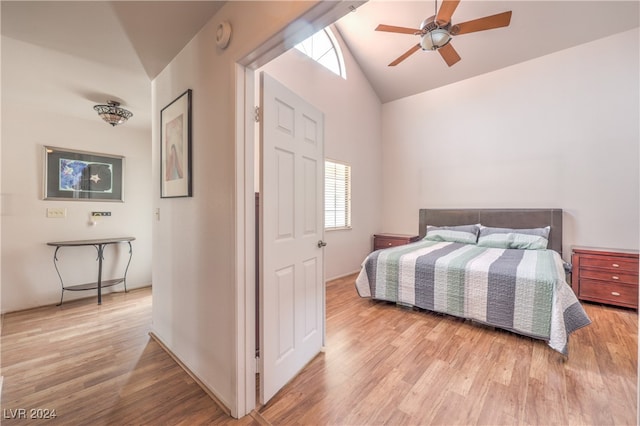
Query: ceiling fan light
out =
(435, 39)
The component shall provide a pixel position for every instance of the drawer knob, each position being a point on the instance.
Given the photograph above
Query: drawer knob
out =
(615, 277)
(615, 293)
(389, 244)
(615, 265)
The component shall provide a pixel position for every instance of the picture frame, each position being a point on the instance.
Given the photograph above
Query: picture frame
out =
(175, 148)
(74, 175)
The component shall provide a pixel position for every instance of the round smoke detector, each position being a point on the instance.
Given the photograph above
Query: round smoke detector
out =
(223, 34)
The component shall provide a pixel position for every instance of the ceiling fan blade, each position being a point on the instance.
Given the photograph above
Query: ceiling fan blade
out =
(394, 29)
(405, 55)
(487, 23)
(446, 11)
(449, 54)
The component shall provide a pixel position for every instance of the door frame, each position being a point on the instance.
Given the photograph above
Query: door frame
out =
(316, 18)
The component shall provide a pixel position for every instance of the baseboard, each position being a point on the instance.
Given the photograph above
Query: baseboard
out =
(343, 275)
(106, 292)
(255, 415)
(204, 387)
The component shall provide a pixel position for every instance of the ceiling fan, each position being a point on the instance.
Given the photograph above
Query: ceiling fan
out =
(436, 31)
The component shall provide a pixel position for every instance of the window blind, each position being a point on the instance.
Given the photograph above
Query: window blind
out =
(337, 195)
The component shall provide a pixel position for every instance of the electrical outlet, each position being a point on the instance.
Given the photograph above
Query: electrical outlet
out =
(56, 212)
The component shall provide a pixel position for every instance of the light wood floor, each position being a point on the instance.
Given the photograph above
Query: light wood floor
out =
(382, 365)
(389, 365)
(97, 365)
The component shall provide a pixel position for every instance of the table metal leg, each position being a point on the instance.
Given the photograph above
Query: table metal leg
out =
(55, 264)
(100, 248)
(127, 268)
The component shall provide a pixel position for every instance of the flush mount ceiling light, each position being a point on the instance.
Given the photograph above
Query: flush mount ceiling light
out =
(112, 113)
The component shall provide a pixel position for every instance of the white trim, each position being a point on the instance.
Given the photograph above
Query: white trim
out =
(238, 409)
(245, 247)
(357, 271)
(219, 402)
(338, 228)
(338, 50)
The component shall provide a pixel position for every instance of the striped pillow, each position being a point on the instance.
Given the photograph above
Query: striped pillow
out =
(529, 239)
(467, 234)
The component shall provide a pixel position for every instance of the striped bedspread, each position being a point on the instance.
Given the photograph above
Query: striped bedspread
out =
(518, 290)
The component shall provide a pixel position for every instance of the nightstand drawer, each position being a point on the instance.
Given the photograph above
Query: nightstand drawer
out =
(612, 276)
(382, 241)
(610, 263)
(617, 294)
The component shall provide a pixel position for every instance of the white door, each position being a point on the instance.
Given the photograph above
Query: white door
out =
(292, 228)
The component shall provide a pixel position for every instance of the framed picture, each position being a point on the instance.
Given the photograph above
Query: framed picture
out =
(85, 176)
(175, 148)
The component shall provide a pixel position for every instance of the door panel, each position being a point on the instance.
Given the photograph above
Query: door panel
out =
(311, 287)
(285, 310)
(310, 197)
(285, 193)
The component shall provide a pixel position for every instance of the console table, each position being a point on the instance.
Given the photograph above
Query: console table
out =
(99, 245)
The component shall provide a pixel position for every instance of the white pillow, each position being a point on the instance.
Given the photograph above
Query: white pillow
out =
(528, 239)
(467, 234)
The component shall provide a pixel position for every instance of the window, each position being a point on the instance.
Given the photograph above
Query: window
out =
(337, 195)
(323, 48)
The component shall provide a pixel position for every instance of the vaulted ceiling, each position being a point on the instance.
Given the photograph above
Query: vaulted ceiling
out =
(124, 44)
(140, 36)
(143, 36)
(537, 28)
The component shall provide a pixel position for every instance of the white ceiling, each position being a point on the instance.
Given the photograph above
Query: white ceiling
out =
(134, 35)
(537, 28)
(141, 37)
(128, 43)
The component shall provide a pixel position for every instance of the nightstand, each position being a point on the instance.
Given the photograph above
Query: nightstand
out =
(381, 241)
(605, 275)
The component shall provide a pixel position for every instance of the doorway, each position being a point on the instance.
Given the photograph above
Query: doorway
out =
(320, 16)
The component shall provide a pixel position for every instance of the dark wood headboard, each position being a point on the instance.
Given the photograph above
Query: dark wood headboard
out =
(499, 218)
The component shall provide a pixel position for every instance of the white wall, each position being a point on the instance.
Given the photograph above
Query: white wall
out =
(352, 113)
(558, 131)
(40, 107)
(194, 239)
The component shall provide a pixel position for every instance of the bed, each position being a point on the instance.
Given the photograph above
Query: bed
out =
(500, 267)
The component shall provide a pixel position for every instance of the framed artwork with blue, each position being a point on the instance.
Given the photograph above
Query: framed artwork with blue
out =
(82, 176)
